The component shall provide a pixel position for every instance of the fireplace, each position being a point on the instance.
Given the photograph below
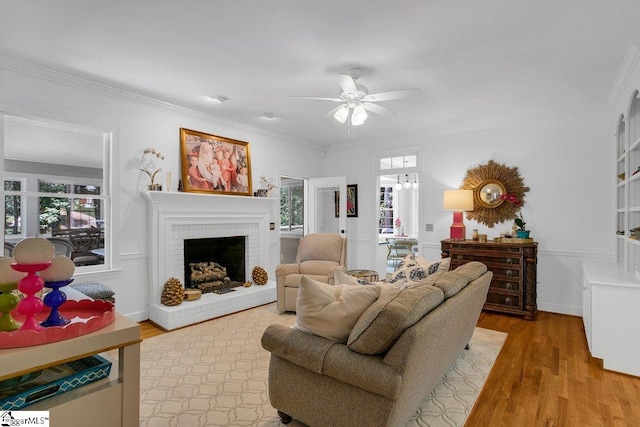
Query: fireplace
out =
(214, 264)
(176, 217)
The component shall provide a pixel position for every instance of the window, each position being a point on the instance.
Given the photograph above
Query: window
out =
(292, 206)
(54, 186)
(399, 162)
(12, 208)
(62, 209)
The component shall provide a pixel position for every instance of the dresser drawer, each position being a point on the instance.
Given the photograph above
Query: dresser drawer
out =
(512, 301)
(508, 272)
(505, 285)
(505, 273)
(493, 258)
(516, 250)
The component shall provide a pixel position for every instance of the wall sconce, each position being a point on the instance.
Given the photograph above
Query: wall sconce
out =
(458, 201)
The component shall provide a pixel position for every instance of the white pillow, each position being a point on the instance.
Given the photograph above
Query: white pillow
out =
(412, 270)
(444, 263)
(331, 311)
(340, 277)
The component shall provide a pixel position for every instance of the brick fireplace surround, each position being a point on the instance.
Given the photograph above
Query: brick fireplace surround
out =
(174, 217)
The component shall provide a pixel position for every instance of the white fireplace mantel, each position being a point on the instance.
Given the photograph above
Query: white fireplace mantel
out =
(175, 216)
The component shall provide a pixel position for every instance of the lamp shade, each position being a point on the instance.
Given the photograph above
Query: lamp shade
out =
(358, 116)
(342, 114)
(458, 200)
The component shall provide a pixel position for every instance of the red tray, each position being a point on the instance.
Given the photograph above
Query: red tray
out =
(86, 316)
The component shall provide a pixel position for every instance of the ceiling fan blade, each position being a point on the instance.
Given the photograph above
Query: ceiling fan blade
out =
(348, 85)
(378, 109)
(318, 98)
(393, 94)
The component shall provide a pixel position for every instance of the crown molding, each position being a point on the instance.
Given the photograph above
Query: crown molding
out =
(409, 138)
(47, 74)
(625, 72)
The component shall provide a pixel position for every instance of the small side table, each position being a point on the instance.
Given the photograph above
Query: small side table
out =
(366, 275)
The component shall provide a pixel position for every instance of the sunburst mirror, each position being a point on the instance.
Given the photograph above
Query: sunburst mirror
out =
(489, 182)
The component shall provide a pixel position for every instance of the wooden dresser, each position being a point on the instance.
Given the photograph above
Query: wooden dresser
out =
(513, 287)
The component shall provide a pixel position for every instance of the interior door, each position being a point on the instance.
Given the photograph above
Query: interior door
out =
(326, 205)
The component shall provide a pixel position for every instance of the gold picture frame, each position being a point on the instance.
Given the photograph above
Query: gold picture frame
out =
(214, 164)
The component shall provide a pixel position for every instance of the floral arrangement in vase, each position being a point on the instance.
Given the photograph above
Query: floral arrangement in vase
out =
(148, 167)
(520, 225)
(267, 186)
(399, 229)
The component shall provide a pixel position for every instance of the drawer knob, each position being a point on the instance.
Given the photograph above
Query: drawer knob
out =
(509, 273)
(460, 257)
(508, 260)
(507, 301)
(508, 286)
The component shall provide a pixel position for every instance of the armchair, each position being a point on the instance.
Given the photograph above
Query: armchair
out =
(318, 256)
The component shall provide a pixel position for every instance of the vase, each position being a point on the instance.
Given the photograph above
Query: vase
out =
(8, 301)
(522, 234)
(54, 300)
(30, 285)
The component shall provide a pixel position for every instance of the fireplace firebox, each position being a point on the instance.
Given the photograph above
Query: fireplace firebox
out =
(214, 264)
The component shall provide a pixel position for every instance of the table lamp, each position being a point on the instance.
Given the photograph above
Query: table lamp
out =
(458, 201)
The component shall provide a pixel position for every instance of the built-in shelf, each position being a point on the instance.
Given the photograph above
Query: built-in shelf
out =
(611, 290)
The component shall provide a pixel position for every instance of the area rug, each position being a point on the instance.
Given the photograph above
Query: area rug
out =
(215, 374)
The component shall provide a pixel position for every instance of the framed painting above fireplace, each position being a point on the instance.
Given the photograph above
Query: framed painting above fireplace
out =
(214, 164)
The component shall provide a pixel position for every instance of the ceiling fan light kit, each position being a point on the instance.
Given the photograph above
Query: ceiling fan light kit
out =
(342, 114)
(356, 100)
(358, 116)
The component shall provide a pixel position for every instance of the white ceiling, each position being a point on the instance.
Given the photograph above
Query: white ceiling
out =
(478, 63)
(39, 141)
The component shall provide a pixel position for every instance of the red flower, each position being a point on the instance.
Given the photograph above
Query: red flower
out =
(511, 198)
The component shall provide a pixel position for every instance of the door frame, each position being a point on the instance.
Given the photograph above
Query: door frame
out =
(312, 187)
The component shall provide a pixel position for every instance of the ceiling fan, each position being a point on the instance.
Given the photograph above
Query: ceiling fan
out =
(356, 100)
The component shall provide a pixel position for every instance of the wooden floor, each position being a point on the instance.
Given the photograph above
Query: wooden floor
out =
(545, 376)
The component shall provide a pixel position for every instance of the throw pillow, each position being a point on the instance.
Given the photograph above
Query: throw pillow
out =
(340, 277)
(445, 263)
(385, 320)
(410, 271)
(331, 311)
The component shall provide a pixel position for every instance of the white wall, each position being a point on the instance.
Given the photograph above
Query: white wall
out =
(566, 162)
(138, 123)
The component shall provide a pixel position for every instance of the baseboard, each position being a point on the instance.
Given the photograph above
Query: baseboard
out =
(560, 309)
